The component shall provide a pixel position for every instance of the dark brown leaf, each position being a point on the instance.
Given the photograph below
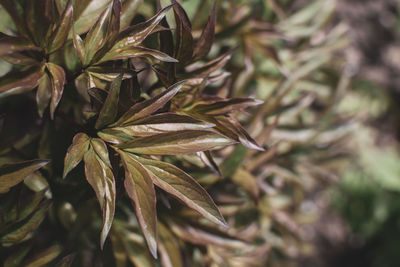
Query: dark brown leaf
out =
(57, 77)
(203, 45)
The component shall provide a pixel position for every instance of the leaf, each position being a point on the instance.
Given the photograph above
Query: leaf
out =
(114, 136)
(201, 237)
(247, 181)
(12, 44)
(148, 107)
(17, 82)
(208, 160)
(79, 47)
(57, 77)
(203, 45)
(224, 106)
(76, 151)
(66, 261)
(184, 187)
(213, 65)
(19, 231)
(100, 177)
(135, 35)
(169, 248)
(129, 9)
(176, 143)
(43, 93)
(59, 36)
(14, 173)
(101, 150)
(16, 258)
(43, 257)
(162, 123)
(139, 186)
(184, 38)
(14, 9)
(135, 51)
(110, 108)
(103, 31)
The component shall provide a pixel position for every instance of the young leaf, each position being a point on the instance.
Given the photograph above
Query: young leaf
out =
(148, 107)
(203, 45)
(14, 173)
(135, 51)
(176, 143)
(135, 35)
(184, 38)
(140, 188)
(62, 29)
(110, 108)
(100, 177)
(43, 257)
(17, 82)
(162, 123)
(224, 106)
(76, 151)
(43, 93)
(57, 84)
(20, 231)
(183, 186)
(12, 44)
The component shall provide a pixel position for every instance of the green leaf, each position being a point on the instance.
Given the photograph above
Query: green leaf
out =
(76, 151)
(110, 108)
(203, 45)
(101, 150)
(43, 257)
(17, 82)
(100, 177)
(59, 36)
(176, 143)
(12, 44)
(140, 188)
(19, 231)
(79, 47)
(43, 93)
(14, 173)
(183, 186)
(114, 136)
(148, 107)
(135, 51)
(57, 77)
(162, 123)
(135, 35)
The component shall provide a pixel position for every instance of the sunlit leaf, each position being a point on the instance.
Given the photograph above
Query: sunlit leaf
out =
(25, 80)
(162, 123)
(58, 80)
(12, 44)
(183, 186)
(62, 29)
(175, 143)
(140, 188)
(148, 107)
(135, 51)
(75, 153)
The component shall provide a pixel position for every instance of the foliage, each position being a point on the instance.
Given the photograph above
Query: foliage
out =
(165, 108)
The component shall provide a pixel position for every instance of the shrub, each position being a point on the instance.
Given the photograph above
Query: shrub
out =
(156, 113)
